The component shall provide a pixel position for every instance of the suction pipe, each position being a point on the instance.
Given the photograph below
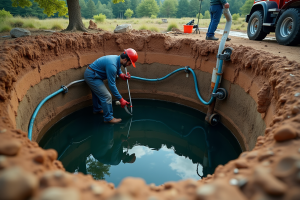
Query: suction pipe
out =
(62, 89)
(216, 71)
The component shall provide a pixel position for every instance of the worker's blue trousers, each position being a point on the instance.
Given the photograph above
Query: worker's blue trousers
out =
(215, 16)
(101, 97)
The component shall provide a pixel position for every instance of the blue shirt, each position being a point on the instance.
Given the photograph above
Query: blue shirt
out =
(107, 67)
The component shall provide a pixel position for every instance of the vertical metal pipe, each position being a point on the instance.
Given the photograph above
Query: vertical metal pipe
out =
(129, 92)
(227, 15)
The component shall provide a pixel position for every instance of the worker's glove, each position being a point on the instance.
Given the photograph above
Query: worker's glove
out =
(125, 76)
(123, 103)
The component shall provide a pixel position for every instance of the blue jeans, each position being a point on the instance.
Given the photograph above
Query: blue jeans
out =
(215, 16)
(101, 97)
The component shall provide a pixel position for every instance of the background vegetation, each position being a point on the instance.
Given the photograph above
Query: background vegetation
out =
(142, 14)
(140, 8)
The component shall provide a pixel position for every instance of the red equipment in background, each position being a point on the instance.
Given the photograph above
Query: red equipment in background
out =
(279, 16)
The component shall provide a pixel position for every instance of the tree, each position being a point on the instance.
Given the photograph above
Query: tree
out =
(235, 5)
(200, 17)
(50, 6)
(194, 8)
(82, 8)
(169, 8)
(134, 4)
(147, 8)
(91, 9)
(245, 9)
(128, 13)
(120, 8)
(183, 8)
(96, 169)
(206, 15)
(53, 6)
(104, 9)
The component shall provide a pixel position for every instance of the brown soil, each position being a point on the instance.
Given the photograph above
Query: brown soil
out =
(270, 171)
(290, 52)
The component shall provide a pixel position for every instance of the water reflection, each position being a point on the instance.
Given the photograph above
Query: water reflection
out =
(161, 142)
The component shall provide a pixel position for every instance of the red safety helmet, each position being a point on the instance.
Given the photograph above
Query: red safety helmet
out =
(133, 56)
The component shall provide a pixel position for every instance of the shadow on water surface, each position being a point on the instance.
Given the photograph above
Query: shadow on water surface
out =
(161, 142)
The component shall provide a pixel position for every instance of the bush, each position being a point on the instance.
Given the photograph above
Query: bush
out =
(153, 17)
(128, 13)
(56, 27)
(43, 27)
(206, 15)
(5, 14)
(143, 27)
(155, 29)
(17, 23)
(5, 28)
(201, 16)
(159, 22)
(235, 16)
(172, 25)
(28, 25)
(100, 18)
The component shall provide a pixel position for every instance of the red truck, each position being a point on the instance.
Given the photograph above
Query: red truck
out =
(279, 16)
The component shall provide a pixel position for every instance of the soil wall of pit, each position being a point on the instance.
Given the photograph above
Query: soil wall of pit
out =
(33, 67)
(154, 62)
(238, 116)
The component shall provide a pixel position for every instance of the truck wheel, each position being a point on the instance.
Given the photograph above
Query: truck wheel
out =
(255, 26)
(288, 27)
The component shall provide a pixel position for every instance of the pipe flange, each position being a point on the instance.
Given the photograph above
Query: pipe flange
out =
(222, 93)
(227, 51)
(65, 89)
(214, 119)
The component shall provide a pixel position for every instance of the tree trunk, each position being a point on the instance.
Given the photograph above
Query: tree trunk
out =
(75, 20)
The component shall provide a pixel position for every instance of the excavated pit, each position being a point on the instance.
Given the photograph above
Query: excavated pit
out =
(263, 92)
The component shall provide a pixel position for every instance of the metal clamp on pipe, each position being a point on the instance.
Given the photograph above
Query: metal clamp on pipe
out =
(65, 89)
(224, 56)
(187, 71)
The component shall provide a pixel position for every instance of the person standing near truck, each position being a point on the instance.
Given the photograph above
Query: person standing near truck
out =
(108, 67)
(216, 10)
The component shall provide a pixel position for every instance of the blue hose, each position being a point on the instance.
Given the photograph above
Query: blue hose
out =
(37, 110)
(138, 78)
(195, 80)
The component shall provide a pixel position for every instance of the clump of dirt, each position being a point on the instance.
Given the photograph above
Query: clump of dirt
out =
(270, 171)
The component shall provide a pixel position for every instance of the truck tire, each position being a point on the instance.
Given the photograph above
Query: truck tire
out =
(288, 27)
(255, 26)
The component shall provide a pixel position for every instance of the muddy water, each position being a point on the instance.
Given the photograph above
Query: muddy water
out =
(162, 142)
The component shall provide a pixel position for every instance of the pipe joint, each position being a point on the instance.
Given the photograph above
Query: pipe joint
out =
(65, 89)
(187, 71)
(225, 56)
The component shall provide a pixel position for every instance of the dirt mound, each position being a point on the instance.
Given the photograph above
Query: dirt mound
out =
(269, 171)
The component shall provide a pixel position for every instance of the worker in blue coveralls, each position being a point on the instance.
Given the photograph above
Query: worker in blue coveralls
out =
(216, 10)
(108, 67)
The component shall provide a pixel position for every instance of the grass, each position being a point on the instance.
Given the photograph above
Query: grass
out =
(28, 25)
(56, 27)
(5, 28)
(154, 29)
(110, 24)
(143, 27)
(172, 25)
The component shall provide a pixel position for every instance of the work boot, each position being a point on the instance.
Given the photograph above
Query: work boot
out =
(114, 121)
(211, 38)
(99, 112)
(228, 39)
